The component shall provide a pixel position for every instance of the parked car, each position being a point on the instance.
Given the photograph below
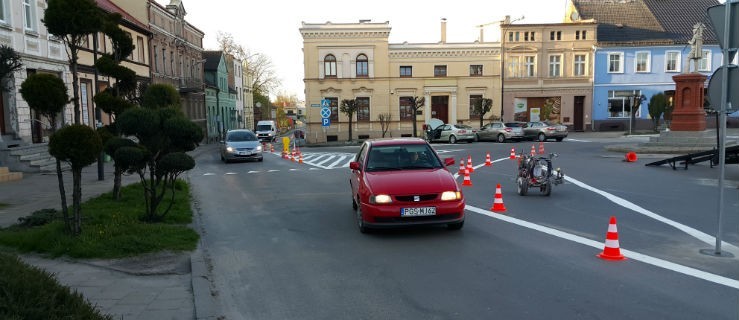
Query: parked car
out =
(437, 131)
(500, 132)
(402, 181)
(241, 144)
(543, 130)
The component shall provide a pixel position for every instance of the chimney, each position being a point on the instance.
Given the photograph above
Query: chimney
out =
(443, 30)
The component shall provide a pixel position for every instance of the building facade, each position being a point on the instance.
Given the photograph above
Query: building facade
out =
(219, 100)
(355, 61)
(21, 28)
(248, 96)
(235, 84)
(639, 51)
(548, 72)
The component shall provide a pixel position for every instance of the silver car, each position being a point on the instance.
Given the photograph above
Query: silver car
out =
(500, 132)
(542, 131)
(451, 133)
(241, 144)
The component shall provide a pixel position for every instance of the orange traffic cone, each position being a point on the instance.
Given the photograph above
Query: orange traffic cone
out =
(461, 166)
(271, 148)
(300, 155)
(467, 181)
(541, 147)
(498, 205)
(469, 164)
(533, 150)
(487, 160)
(513, 154)
(611, 250)
(292, 158)
(630, 157)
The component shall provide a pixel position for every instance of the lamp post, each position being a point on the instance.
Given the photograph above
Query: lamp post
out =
(636, 100)
(507, 22)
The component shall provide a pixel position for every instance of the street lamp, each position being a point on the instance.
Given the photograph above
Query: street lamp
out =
(506, 22)
(636, 100)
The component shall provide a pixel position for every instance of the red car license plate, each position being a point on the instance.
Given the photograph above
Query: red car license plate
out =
(416, 212)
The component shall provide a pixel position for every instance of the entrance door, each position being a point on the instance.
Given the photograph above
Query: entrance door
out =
(579, 111)
(440, 108)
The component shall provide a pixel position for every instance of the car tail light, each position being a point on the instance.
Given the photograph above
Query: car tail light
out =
(551, 128)
(508, 129)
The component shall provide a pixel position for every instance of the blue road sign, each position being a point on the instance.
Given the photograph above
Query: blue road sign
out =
(325, 103)
(325, 122)
(325, 112)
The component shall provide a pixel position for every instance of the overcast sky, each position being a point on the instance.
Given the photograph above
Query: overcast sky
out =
(271, 27)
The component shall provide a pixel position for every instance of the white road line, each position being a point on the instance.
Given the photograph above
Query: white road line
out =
(732, 283)
(272, 170)
(230, 173)
(341, 158)
(324, 161)
(252, 171)
(577, 140)
(209, 174)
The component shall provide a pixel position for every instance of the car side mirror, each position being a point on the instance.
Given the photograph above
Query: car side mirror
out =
(448, 161)
(354, 165)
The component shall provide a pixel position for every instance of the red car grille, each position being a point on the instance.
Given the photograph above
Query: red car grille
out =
(422, 197)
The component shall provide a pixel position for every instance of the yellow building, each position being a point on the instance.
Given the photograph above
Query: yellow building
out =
(549, 72)
(355, 61)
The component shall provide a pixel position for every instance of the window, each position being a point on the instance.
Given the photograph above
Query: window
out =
(619, 103)
(533, 36)
(164, 60)
(555, 35)
(474, 100)
(642, 63)
(334, 106)
(705, 62)
(329, 67)
(615, 62)
(156, 59)
(406, 108)
(581, 34)
(672, 61)
(406, 71)
(529, 36)
(3, 13)
(530, 66)
(579, 67)
(514, 67)
(362, 66)
(363, 109)
(140, 46)
(584, 34)
(510, 36)
(475, 70)
(555, 67)
(526, 36)
(29, 16)
(439, 71)
(577, 35)
(171, 62)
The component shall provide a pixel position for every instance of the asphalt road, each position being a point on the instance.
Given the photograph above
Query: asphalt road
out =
(283, 243)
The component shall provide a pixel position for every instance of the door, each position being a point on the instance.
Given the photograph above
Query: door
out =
(579, 111)
(440, 108)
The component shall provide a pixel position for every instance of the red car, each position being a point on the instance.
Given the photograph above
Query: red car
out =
(403, 181)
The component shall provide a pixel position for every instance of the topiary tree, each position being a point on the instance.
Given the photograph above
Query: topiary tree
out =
(161, 95)
(163, 135)
(349, 107)
(481, 107)
(47, 95)
(79, 145)
(657, 107)
(73, 27)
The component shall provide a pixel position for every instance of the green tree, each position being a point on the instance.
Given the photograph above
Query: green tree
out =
(416, 104)
(349, 108)
(163, 135)
(10, 61)
(657, 107)
(47, 95)
(481, 107)
(73, 27)
(79, 145)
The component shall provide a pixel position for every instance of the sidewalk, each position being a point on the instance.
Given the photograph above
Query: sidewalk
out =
(157, 286)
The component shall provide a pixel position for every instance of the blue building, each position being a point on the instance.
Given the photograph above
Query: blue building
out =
(641, 45)
(220, 103)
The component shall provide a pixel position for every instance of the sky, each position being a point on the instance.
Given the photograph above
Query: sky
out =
(272, 27)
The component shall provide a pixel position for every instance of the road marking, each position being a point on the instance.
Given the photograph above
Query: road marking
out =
(209, 174)
(272, 170)
(598, 245)
(230, 173)
(577, 140)
(252, 171)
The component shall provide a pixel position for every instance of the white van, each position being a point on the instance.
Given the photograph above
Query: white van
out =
(266, 130)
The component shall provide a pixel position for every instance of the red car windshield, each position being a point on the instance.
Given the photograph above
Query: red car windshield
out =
(401, 157)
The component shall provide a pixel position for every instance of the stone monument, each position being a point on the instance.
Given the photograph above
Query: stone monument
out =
(688, 113)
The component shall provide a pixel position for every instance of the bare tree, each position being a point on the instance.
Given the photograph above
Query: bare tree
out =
(384, 119)
(256, 64)
(416, 104)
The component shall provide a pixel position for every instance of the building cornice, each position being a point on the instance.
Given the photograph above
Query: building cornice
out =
(442, 52)
(344, 34)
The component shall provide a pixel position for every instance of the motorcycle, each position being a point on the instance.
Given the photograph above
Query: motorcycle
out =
(537, 172)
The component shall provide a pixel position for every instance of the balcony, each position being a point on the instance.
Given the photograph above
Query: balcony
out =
(188, 85)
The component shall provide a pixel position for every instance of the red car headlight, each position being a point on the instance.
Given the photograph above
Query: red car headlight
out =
(381, 198)
(451, 195)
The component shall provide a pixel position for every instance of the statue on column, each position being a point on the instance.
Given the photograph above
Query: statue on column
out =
(696, 47)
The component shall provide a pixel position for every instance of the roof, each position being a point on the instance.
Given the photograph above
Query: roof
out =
(212, 60)
(647, 22)
(111, 7)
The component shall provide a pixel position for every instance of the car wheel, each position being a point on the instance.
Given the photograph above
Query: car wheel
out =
(477, 137)
(501, 138)
(560, 139)
(360, 221)
(546, 189)
(522, 186)
(542, 137)
(452, 139)
(261, 159)
(455, 226)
